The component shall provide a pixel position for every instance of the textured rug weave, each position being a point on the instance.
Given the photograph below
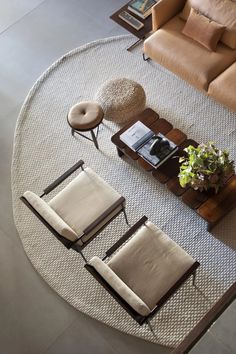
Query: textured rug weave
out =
(44, 149)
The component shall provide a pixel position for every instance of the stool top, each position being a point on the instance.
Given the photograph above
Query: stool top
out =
(85, 115)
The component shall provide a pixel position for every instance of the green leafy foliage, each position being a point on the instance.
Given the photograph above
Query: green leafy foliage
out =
(205, 167)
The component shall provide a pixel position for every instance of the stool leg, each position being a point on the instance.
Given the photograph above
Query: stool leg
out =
(94, 139)
(72, 131)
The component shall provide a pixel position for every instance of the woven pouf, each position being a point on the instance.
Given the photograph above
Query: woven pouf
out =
(121, 99)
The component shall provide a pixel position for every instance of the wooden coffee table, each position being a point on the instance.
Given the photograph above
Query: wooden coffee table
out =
(211, 207)
(140, 34)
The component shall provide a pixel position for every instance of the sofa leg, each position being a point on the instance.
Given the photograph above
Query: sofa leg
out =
(146, 58)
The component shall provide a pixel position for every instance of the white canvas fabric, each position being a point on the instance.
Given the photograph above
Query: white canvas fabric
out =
(119, 286)
(50, 216)
(83, 200)
(150, 263)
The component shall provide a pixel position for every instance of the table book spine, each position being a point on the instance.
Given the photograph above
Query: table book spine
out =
(142, 16)
(141, 8)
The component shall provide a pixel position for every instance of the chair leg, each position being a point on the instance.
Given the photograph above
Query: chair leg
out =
(151, 329)
(194, 278)
(94, 139)
(83, 256)
(125, 215)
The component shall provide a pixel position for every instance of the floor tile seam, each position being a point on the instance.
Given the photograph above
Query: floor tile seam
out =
(217, 339)
(8, 233)
(111, 348)
(7, 236)
(58, 336)
(22, 18)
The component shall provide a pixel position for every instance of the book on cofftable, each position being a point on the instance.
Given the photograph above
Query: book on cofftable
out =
(142, 8)
(165, 150)
(137, 135)
(154, 148)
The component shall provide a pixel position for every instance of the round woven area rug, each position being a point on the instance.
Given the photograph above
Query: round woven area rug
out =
(44, 149)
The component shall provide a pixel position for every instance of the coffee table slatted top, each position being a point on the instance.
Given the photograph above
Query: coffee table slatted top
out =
(211, 207)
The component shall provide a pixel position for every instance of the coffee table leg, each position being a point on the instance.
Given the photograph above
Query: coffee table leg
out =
(119, 152)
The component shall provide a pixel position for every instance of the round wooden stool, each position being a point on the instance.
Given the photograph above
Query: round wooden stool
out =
(85, 116)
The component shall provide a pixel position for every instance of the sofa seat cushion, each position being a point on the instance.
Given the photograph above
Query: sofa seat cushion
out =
(185, 57)
(150, 263)
(83, 200)
(119, 286)
(221, 11)
(223, 88)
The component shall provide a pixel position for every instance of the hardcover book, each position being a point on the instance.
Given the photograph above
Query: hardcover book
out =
(137, 135)
(141, 139)
(142, 8)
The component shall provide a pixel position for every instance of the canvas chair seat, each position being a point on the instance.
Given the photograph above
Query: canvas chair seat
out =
(143, 273)
(83, 200)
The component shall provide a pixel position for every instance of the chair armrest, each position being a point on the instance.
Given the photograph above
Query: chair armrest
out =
(164, 10)
(103, 216)
(66, 242)
(109, 277)
(60, 179)
(126, 236)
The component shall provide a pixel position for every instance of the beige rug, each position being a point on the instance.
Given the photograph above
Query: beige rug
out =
(44, 148)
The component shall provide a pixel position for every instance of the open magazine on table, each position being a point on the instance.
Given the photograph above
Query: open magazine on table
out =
(154, 148)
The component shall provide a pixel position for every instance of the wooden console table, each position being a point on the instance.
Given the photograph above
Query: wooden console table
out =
(212, 208)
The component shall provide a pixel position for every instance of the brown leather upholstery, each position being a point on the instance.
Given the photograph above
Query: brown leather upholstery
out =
(203, 30)
(223, 88)
(185, 57)
(85, 115)
(221, 11)
(190, 60)
(163, 11)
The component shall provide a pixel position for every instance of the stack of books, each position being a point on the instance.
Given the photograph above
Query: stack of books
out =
(141, 139)
(141, 8)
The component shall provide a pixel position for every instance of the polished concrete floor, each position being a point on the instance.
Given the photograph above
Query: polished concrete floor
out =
(33, 319)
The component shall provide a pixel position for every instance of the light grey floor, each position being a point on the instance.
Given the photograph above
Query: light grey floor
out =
(33, 319)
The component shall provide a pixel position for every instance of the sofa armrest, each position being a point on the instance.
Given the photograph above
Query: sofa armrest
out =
(164, 10)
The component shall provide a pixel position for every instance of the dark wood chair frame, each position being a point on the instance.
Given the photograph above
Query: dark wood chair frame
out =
(135, 315)
(74, 244)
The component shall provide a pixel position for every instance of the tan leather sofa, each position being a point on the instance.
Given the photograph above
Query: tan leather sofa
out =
(212, 72)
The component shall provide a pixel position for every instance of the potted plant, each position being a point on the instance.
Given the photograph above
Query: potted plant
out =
(205, 167)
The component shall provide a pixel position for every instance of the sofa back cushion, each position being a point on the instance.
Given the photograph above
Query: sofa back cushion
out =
(221, 11)
(203, 30)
